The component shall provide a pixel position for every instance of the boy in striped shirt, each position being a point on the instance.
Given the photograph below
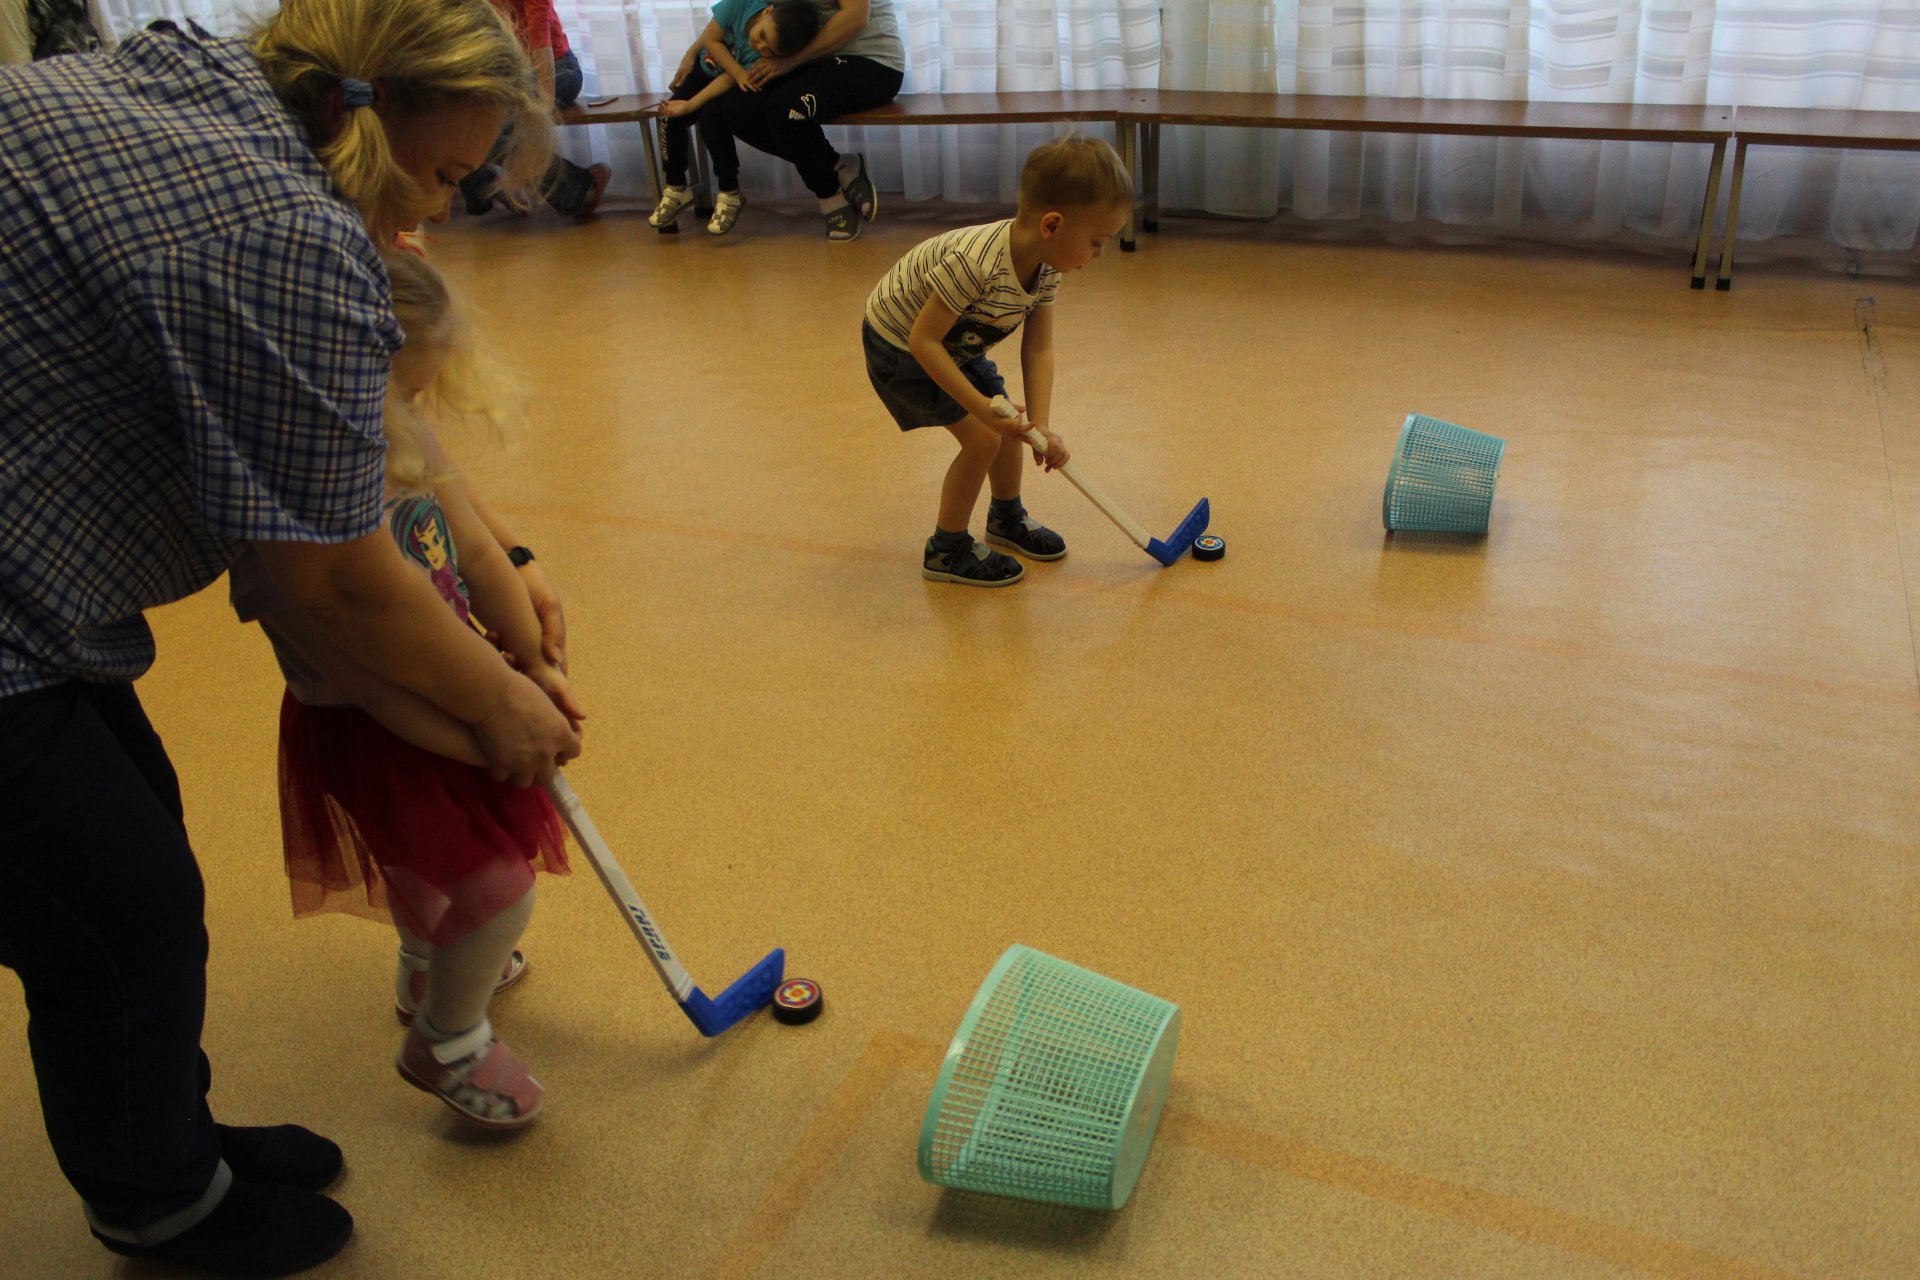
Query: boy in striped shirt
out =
(932, 319)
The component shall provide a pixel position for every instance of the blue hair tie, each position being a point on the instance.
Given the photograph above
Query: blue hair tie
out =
(356, 93)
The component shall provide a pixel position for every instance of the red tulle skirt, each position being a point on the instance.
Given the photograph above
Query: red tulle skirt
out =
(376, 827)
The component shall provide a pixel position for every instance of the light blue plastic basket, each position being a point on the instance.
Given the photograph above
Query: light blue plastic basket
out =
(1442, 478)
(1052, 1087)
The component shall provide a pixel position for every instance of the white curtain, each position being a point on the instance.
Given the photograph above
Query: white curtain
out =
(1815, 53)
(1823, 53)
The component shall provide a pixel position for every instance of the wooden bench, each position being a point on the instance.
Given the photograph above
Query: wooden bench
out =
(1808, 127)
(1138, 114)
(1622, 122)
(1068, 106)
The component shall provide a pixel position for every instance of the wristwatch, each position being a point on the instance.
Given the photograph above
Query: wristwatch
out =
(520, 556)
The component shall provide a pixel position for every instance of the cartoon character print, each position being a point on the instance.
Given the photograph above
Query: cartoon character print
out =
(970, 338)
(420, 527)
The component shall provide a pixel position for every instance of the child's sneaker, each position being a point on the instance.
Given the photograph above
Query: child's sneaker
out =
(672, 201)
(726, 209)
(1027, 536)
(410, 982)
(475, 1074)
(972, 565)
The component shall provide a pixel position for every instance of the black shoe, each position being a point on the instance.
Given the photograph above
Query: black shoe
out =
(259, 1229)
(282, 1153)
(972, 566)
(1027, 536)
(860, 192)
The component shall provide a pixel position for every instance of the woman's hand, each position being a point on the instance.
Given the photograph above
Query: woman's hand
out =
(525, 737)
(674, 107)
(686, 65)
(764, 70)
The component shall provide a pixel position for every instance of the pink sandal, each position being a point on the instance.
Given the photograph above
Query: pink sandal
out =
(475, 1074)
(410, 983)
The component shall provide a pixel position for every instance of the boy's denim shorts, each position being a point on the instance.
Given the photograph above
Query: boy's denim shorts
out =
(913, 398)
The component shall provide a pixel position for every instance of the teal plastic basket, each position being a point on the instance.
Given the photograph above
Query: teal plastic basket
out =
(1442, 478)
(1052, 1087)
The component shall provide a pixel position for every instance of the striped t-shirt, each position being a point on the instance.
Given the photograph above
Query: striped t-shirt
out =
(971, 270)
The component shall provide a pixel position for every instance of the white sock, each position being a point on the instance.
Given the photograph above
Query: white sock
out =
(464, 973)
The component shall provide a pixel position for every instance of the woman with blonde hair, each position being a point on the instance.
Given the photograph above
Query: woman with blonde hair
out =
(195, 339)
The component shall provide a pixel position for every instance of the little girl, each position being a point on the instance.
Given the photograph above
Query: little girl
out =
(386, 807)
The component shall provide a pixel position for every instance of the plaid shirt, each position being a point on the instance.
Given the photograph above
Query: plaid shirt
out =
(195, 333)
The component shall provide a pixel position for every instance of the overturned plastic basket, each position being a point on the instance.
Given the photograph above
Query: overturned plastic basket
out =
(1052, 1087)
(1442, 478)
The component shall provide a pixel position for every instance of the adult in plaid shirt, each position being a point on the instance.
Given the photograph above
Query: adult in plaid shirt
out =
(195, 334)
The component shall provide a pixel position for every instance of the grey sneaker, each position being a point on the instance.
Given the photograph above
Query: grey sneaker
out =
(1027, 536)
(971, 566)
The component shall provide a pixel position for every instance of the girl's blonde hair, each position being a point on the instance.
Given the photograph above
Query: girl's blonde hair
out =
(422, 54)
(470, 387)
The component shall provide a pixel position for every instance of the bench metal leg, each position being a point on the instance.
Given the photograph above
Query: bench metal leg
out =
(648, 128)
(1151, 159)
(1124, 134)
(1706, 214)
(1733, 215)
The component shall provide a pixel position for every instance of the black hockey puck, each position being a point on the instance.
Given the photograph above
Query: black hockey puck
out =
(797, 1000)
(1209, 547)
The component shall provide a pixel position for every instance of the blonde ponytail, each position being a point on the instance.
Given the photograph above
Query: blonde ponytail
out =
(421, 54)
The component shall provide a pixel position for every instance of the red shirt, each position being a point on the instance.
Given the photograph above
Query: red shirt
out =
(537, 23)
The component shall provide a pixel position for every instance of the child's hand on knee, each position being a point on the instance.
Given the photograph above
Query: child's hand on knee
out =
(673, 107)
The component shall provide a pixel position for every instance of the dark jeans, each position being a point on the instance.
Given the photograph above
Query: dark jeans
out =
(101, 919)
(784, 118)
(713, 135)
(565, 185)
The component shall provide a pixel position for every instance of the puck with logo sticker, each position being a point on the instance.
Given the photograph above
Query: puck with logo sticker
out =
(1209, 547)
(797, 1000)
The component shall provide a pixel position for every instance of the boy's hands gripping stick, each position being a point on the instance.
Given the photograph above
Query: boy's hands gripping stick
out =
(1165, 552)
(1049, 450)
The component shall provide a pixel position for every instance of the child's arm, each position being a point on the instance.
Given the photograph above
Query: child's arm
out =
(687, 106)
(546, 600)
(403, 713)
(1036, 382)
(500, 598)
(927, 342)
(715, 41)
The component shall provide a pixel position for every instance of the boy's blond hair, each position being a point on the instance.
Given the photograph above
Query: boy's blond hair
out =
(470, 386)
(1074, 172)
(422, 54)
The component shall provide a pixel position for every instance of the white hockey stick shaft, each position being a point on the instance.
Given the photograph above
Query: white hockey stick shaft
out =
(1095, 494)
(665, 962)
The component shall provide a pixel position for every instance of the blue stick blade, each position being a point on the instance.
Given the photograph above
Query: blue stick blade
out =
(752, 991)
(1176, 546)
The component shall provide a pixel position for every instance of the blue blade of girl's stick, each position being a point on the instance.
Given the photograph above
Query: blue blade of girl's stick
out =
(749, 993)
(1176, 546)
